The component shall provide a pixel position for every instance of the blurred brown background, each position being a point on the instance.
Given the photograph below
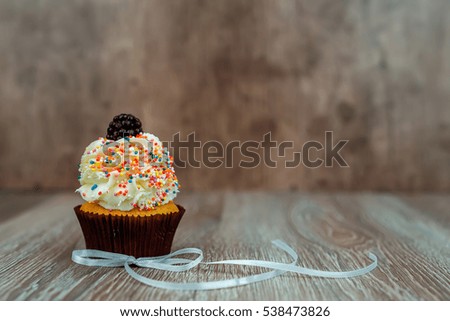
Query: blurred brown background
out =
(374, 72)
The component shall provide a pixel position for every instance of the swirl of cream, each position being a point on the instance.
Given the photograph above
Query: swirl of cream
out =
(135, 172)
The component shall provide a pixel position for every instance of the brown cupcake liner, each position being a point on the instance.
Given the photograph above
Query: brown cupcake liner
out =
(139, 236)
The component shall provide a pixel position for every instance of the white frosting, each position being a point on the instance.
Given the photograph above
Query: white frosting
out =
(144, 178)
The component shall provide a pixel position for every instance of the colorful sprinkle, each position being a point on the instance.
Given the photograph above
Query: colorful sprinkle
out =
(150, 165)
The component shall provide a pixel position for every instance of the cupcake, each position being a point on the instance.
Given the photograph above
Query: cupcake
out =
(128, 182)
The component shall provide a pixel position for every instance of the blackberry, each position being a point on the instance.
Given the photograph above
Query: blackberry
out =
(123, 125)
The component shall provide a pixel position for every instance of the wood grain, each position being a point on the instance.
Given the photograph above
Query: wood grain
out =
(373, 72)
(409, 234)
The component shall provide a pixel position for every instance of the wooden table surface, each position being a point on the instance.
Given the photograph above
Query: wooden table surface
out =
(409, 233)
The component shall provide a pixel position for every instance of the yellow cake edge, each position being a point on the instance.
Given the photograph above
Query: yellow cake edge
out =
(95, 208)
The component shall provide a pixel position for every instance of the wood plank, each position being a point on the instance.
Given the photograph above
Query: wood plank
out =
(329, 231)
(12, 203)
(373, 72)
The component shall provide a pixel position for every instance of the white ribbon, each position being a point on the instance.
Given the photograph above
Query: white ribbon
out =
(169, 262)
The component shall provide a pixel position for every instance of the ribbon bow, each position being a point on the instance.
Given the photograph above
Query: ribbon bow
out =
(171, 263)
